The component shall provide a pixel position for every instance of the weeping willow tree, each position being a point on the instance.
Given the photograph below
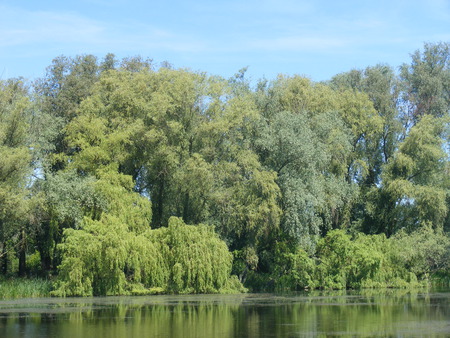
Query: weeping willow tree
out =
(114, 251)
(108, 253)
(197, 259)
(106, 258)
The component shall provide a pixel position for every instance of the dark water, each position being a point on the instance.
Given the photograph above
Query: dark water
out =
(390, 313)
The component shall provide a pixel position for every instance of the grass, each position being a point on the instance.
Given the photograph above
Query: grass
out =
(24, 288)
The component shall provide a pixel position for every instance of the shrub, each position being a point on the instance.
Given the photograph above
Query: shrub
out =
(106, 258)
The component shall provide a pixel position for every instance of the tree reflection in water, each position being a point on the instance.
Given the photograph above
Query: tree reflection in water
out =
(365, 313)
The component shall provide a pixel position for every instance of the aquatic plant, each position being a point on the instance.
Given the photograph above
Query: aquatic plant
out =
(24, 288)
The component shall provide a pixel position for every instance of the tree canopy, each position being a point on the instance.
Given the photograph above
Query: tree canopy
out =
(119, 177)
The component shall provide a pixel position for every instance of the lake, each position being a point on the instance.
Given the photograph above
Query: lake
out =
(369, 313)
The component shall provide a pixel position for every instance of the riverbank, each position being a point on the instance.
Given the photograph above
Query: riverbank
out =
(14, 288)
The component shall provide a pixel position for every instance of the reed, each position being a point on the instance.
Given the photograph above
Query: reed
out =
(24, 288)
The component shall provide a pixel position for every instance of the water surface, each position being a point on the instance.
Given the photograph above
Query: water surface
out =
(388, 313)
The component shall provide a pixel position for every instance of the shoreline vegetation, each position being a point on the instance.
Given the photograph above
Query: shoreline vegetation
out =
(15, 288)
(28, 287)
(344, 264)
(124, 177)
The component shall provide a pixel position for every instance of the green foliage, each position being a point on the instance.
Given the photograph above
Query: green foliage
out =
(246, 202)
(108, 253)
(413, 192)
(376, 141)
(70, 197)
(288, 176)
(33, 264)
(24, 288)
(14, 154)
(302, 138)
(425, 81)
(336, 253)
(423, 252)
(15, 169)
(367, 261)
(198, 261)
(366, 126)
(129, 207)
(67, 82)
(106, 257)
(381, 85)
(294, 270)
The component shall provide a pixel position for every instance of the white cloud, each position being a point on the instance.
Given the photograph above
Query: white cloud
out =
(297, 43)
(41, 29)
(19, 27)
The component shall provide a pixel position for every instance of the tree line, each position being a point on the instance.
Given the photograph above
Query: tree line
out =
(121, 176)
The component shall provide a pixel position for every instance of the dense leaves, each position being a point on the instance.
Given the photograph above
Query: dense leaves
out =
(15, 168)
(291, 184)
(106, 258)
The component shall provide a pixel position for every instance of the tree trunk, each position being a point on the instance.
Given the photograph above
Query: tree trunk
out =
(22, 254)
(186, 212)
(4, 259)
(44, 247)
(158, 207)
(46, 261)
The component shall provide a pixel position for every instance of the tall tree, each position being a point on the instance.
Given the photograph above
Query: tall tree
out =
(14, 169)
(378, 140)
(56, 100)
(181, 136)
(414, 191)
(426, 83)
(67, 83)
(380, 135)
(302, 137)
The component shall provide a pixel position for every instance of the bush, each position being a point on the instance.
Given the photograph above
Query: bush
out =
(106, 258)
(423, 252)
(197, 259)
(294, 270)
(366, 261)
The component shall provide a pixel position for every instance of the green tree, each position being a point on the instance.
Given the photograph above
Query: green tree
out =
(413, 192)
(381, 85)
(423, 252)
(15, 160)
(108, 245)
(63, 200)
(181, 136)
(302, 137)
(377, 139)
(110, 256)
(198, 260)
(426, 81)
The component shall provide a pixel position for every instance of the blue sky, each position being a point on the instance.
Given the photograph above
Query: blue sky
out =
(317, 39)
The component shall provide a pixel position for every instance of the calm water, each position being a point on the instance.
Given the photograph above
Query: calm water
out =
(391, 313)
